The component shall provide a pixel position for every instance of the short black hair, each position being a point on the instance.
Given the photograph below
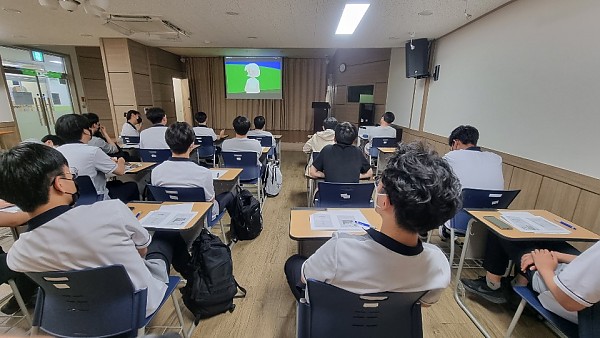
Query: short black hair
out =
(26, 173)
(389, 117)
(421, 187)
(330, 123)
(93, 118)
(129, 113)
(241, 125)
(70, 127)
(345, 133)
(155, 114)
(179, 137)
(465, 134)
(57, 141)
(259, 122)
(200, 117)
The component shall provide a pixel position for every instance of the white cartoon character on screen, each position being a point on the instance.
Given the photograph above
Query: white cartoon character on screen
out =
(252, 85)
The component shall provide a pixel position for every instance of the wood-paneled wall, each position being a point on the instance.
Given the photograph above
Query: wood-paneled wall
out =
(164, 66)
(364, 66)
(573, 196)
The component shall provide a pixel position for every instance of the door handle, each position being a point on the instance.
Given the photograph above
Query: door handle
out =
(38, 109)
(50, 110)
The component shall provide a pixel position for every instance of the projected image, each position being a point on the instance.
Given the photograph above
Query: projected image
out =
(253, 78)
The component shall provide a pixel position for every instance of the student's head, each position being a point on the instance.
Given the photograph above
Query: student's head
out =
(330, 123)
(52, 141)
(418, 189)
(259, 122)
(73, 128)
(345, 133)
(156, 115)
(241, 125)
(180, 137)
(94, 121)
(200, 117)
(387, 118)
(133, 116)
(463, 137)
(31, 174)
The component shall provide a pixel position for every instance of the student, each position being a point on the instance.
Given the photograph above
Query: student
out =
(319, 140)
(91, 161)
(52, 141)
(259, 129)
(154, 137)
(417, 192)
(62, 238)
(180, 172)
(100, 137)
(341, 162)
(203, 130)
(383, 130)
(241, 143)
(133, 124)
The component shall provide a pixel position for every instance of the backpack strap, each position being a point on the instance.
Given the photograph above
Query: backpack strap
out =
(243, 294)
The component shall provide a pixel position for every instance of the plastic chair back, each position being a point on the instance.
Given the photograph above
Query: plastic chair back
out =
(344, 195)
(87, 191)
(206, 146)
(481, 199)
(244, 160)
(130, 139)
(155, 155)
(333, 312)
(165, 194)
(381, 142)
(265, 141)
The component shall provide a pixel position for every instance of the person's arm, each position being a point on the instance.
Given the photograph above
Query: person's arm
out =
(563, 257)
(120, 170)
(106, 165)
(314, 173)
(367, 175)
(221, 134)
(365, 167)
(307, 148)
(321, 265)
(13, 219)
(138, 234)
(111, 146)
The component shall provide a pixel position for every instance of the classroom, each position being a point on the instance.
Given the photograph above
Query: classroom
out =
(156, 120)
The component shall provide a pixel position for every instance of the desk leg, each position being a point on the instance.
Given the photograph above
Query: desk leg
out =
(308, 247)
(278, 145)
(461, 263)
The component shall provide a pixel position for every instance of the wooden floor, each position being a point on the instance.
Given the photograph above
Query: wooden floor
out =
(269, 309)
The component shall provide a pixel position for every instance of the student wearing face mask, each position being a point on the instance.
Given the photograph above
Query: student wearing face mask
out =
(133, 124)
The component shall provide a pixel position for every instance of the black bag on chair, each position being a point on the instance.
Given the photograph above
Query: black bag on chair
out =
(213, 287)
(246, 218)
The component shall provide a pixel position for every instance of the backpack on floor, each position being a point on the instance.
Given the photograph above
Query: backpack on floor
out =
(212, 288)
(272, 179)
(246, 219)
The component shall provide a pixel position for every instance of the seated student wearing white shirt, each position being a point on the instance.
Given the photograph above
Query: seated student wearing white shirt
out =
(241, 143)
(100, 137)
(154, 136)
(92, 161)
(203, 130)
(383, 130)
(52, 141)
(259, 129)
(417, 192)
(133, 124)
(319, 140)
(38, 180)
(180, 172)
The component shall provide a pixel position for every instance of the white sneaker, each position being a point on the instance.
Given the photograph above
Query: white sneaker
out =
(443, 233)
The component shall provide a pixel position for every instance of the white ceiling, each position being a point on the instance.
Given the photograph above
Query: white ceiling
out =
(277, 24)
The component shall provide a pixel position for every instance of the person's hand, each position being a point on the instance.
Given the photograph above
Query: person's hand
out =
(544, 260)
(143, 252)
(527, 262)
(121, 160)
(4, 204)
(103, 130)
(222, 133)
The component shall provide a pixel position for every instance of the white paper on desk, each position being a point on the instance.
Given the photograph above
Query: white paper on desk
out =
(217, 173)
(12, 210)
(181, 207)
(132, 166)
(167, 220)
(527, 222)
(337, 220)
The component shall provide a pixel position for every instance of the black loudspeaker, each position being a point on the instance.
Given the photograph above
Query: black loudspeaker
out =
(366, 114)
(321, 111)
(417, 58)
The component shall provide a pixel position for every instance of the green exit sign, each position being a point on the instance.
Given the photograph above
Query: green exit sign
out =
(37, 56)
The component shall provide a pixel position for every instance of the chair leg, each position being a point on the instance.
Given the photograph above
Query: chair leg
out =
(515, 319)
(141, 331)
(429, 236)
(35, 330)
(452, 238)
(20, 301)
(222, 231)
(180, 316)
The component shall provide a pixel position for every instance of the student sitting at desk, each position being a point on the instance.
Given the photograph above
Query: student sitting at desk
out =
(319, 140)
(342, 162)
(38, 180)
(259, 129)
(241, 143)
(100, 137)
(203, 130)
(180, 172)
(154, 137)
(52, 141)
(383, 130)
(133, 124)
(417, 192)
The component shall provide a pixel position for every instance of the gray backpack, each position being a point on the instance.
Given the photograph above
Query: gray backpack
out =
(272, 179)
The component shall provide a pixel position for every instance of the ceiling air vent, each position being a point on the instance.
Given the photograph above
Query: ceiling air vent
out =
(143, 25)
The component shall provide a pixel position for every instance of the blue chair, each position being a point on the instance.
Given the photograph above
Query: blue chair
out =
(155, 155)
(265, 141)
(333, 312)
(87, 191)
(130, 139)
(251, 170)
(589, 318)
(206, 148)
(165, 194)
(94, 302)
(344, 195)
(380, 142)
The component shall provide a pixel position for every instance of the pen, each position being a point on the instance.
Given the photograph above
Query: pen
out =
(363, 224)
(138, 214)
(566, 224)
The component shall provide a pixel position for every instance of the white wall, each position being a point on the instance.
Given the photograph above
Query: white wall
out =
(400, 89)
(527, 76)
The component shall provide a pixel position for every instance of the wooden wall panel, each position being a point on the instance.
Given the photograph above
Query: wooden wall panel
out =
(557, 197)
(122, 89)
(587, 212)
(91, 68)
(116, 55)
(139, 58)
(529, 183)
(95, 89)
(9, 140)
(380, 93)
(341, 94)
(365, 73)
(143, 89)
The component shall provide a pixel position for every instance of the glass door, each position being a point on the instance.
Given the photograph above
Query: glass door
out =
(56, 98)
(28, 103)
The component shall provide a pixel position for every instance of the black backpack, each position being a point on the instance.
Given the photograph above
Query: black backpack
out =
(213, 287)
(246, 219)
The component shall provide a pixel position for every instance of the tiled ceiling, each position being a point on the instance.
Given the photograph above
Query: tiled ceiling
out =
(276, 24)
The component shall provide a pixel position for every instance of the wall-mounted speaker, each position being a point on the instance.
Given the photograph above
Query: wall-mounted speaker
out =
(417, 58)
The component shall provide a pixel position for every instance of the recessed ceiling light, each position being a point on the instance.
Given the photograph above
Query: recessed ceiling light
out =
(232, 13)
(426, 12)
(351, 17)
(12, 10)
(252, 37)
(86, 35)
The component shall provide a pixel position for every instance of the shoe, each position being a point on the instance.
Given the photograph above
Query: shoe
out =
(479, 286)
(423, 236)
(443, 233)
(12, 306)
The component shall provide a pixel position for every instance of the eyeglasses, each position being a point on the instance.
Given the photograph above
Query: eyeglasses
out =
(74, 174)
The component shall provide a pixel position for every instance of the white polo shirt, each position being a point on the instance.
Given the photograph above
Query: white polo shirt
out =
(105, 146)
(374, 263)
(243, 145)
(183, 173)
(154, 137)
(88, 236)
(258, 132)
(477, 169)
(129, 130)
(89, 161)
(203, 130)
(380, 131)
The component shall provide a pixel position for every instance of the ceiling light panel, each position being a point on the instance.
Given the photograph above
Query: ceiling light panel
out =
(351, 17)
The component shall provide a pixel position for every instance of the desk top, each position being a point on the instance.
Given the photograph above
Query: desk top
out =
(277, 137)
(231, 174)
(579, 234)
(5, 132)
(300, 223)
(387, 150)
(129, 145)
(145, 207)
(265, 149)
(139, 166)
